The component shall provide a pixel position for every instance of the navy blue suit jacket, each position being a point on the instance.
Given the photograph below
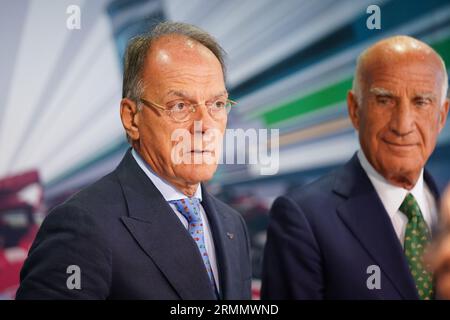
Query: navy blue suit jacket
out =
(323, 237)
(129, 244)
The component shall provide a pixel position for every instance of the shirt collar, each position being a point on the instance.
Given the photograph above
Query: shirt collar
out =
(392, 196)
(167, 190)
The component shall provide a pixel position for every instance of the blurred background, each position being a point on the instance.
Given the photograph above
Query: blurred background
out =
(290, 65)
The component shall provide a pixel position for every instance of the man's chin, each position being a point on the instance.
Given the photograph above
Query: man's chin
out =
(196, 173)
(400, 169)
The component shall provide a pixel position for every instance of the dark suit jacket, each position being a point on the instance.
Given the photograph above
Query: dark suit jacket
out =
(129, 244)
(323, 237)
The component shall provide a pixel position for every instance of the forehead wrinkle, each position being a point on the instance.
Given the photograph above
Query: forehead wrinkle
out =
(181, 75)
(415, 79)
(221, 93)
(184, 94)
(185, 82)
(179, 93)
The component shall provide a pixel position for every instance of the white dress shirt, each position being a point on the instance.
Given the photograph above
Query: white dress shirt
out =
(170, 193)
(392, 197)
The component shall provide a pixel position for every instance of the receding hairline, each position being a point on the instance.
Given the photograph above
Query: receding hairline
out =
(166, 41)
(139, 46)
(396, 47)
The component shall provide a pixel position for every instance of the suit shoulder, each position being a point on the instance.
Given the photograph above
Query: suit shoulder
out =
(323, 186)
(96, 198)
(316, 200)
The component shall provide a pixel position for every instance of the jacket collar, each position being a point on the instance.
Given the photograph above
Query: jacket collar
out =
(158, 231)
(364, 214)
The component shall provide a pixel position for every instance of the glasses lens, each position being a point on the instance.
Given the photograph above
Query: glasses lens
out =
(180, 111)
(180, 116)
(228, 107)
(218, 110)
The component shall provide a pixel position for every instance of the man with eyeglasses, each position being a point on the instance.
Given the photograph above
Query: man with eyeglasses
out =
(149, 229)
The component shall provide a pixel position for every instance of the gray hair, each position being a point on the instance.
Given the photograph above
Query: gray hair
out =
(139, 46)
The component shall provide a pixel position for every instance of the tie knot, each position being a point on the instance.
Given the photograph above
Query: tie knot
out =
(189, 208)
(410, 207)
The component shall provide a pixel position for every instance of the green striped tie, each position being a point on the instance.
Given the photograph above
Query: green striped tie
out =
(417, 237)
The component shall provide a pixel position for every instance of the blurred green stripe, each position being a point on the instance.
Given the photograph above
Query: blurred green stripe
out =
(329, 95)
(320, 99)
(443, 48)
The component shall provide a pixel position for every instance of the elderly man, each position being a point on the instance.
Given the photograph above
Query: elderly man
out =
(149, 229)
(359, 232)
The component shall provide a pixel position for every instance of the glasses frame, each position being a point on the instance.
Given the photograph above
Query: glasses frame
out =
(193, 108)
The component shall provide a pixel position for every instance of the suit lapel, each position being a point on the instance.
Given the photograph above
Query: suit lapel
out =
(365, 216)
(431, 185)
(159, 233)
(223, 236)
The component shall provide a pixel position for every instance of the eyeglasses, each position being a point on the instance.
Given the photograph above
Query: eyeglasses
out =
(182, 111)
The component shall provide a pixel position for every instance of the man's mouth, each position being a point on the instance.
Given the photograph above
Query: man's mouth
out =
(400, 144)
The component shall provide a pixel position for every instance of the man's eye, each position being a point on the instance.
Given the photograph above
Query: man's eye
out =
(219, 104)
(421, 102)
(384, 100)
(179, 107)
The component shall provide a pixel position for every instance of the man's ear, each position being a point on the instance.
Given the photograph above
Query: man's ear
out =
(443, 113)
(129, 114)
(353, 109)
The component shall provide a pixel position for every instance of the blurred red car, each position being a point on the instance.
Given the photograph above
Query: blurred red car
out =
(21, 202)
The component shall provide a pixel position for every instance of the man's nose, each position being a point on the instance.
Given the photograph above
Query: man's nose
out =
(202, 118)
(402, 119)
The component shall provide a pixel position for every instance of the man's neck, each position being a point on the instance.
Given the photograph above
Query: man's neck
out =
(167, 185)
(405, 180)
